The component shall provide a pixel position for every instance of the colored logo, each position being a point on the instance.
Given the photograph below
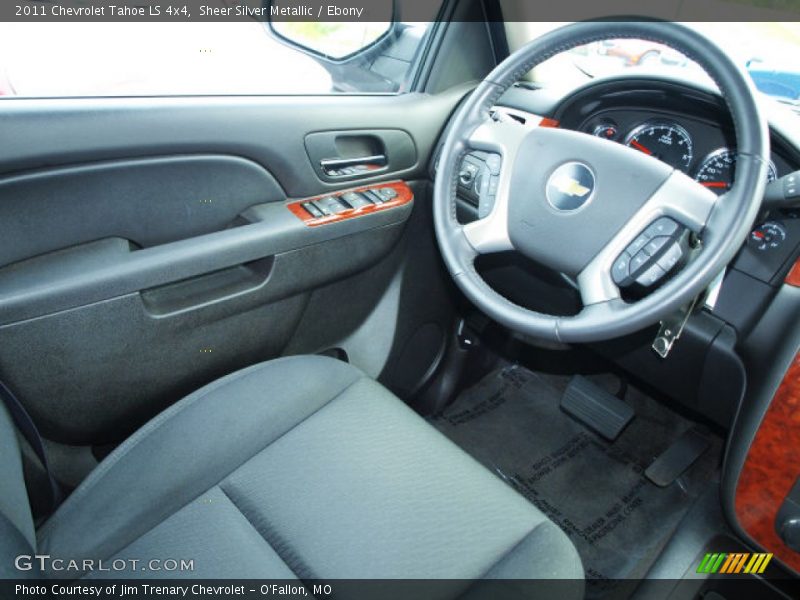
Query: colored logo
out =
(733, 563)
(570, 186)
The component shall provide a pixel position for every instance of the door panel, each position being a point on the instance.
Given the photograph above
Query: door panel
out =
(101, 270)
(148, 247)
(147, 201)
(267, 130)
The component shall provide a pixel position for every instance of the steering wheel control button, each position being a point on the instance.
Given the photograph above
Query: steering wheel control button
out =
(468, 174)
(620, 270)
(494, 183)
(656, 244)
(638, 262)
(651, 276)
(671, 257)
(662, 226)
(485, 206)
(494, 162)
(570, 187)
(639, 243)
(479, 180)
(791, 187)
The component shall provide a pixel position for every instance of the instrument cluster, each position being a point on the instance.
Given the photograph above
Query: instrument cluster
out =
(688, 146)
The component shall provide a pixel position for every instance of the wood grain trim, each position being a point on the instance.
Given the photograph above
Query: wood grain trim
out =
(793, 278)
(404, 196)
(771, 468)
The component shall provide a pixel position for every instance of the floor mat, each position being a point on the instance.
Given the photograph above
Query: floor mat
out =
(593, 489)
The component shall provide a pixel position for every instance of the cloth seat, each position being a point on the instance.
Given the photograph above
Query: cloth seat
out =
(301, 467)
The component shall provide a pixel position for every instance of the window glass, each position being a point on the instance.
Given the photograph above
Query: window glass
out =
(41, 59)
(767, 51)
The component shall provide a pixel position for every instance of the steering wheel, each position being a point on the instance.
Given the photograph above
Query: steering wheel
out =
(587, 207)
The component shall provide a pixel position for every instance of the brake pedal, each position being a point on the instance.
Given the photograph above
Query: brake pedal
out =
(676, 459)
(598, 410)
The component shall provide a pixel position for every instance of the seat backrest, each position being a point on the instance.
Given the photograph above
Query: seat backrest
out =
(17, 532)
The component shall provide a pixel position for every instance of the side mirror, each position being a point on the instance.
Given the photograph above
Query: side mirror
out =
(333, 39)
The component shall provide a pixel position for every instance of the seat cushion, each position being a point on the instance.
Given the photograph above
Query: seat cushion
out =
(304, 467)
(16, 523)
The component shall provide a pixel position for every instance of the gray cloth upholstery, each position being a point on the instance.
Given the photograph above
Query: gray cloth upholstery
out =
(16, 523)
(303, 467)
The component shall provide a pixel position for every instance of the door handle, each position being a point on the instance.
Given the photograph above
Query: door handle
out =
(342, 167)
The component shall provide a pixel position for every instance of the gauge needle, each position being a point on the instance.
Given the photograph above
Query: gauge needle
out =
(714, 184)
(638, 146)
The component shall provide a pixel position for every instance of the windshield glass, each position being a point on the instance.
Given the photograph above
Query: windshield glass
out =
(768, 51)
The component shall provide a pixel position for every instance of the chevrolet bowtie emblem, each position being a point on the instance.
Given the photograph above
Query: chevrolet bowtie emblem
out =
(568, 185)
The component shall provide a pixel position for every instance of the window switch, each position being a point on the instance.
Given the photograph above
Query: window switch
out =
(330, 205)
(387, 193)
(355, 200)
(373, 197)
(313, 210)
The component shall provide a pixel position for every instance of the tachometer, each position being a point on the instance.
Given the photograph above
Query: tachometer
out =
(718, 169)
(664, 140)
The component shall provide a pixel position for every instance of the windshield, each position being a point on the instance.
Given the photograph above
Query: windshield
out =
(768, 51)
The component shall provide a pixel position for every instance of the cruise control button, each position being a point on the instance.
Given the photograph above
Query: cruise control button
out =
(638, 261)
(619, 272)
(671, 257)
(493, 161)
(485, 205)
(662, 226)
(494, 182)
(656, 244)
(651, 276)
(637, 244)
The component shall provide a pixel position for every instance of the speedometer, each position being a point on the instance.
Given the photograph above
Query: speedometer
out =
(718, 169)
(664, 140)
